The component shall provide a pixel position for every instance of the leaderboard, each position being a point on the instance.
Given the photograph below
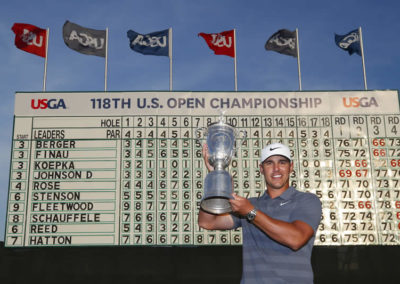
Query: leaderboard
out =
(125, 168)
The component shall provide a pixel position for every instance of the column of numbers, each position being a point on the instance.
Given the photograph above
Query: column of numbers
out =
(254, 137)
(162, 180)
(394, 145)
(316, 171)
(138, 193)
(246, 161)
(127, 182)
(392, 123)
(187, 198)
(144, 203)
(174, 182)
(199, 174)
(309, 154)
(381, 179)
(168, 183)
(361, 173)
(127, 152)
(18, 192)
(357, 209)
(150, 181)
(340, 211)
(384, 158)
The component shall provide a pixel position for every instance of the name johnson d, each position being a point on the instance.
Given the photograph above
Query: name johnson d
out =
(62, 175)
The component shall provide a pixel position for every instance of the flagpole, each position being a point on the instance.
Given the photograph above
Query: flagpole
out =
(298, 57)
(362, 57)
(234, 46)
(45, 60)
(106, 61)
(170, 57)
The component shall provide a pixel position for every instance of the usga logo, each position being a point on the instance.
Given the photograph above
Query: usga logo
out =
(48, 103)
(360, 102)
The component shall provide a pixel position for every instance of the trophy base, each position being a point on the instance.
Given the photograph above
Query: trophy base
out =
(217, 192)
(216, 205)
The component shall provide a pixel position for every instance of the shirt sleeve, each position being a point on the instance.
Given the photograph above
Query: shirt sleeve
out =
(237, 222)
(308, 210)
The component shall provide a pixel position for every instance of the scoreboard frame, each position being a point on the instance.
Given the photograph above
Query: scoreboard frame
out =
(123, 168)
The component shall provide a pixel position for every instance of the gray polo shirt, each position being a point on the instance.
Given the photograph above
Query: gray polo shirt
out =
(267, 261)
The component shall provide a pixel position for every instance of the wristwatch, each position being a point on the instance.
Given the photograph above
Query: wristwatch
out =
(251, 215)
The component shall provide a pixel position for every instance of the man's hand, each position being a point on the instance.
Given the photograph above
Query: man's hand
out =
(240, 205)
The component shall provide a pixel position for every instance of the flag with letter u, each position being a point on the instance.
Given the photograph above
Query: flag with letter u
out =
(84, 40)
(155, 43)
(349, 42)
(222, 43)
(30, 38)
(284, 42)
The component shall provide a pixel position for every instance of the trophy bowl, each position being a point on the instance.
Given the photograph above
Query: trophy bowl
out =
(218, 187)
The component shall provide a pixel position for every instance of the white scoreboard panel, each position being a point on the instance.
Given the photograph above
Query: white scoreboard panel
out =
(124, 168)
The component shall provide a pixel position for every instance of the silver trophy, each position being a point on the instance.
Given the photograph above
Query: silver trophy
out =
(221, 139)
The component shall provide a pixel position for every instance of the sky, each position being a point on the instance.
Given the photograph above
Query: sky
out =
(195, 68)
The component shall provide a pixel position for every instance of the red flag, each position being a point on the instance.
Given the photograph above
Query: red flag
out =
(222, 43)
(30, 38)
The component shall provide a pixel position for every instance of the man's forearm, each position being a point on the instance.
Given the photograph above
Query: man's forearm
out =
(293, 235)
(210, 221)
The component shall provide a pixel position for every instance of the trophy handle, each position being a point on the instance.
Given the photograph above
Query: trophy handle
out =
(200, 137)
(240, 140)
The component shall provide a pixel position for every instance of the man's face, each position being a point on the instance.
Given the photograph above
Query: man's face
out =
(276, 171)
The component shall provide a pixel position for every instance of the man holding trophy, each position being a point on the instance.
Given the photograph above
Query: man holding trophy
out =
(278, 227)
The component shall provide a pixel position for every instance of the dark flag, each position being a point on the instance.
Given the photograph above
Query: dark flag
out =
(349, 42)
(84, 40)
(283, 41)
(155, 43)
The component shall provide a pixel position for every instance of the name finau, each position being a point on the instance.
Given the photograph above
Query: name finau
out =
(266, 103)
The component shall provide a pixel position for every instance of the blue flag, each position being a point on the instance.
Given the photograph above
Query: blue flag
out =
(349, 42)
(156, 43)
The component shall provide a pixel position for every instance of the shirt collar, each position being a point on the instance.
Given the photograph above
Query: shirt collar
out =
(286, 195)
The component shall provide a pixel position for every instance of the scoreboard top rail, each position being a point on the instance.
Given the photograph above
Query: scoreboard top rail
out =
(199, 103)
